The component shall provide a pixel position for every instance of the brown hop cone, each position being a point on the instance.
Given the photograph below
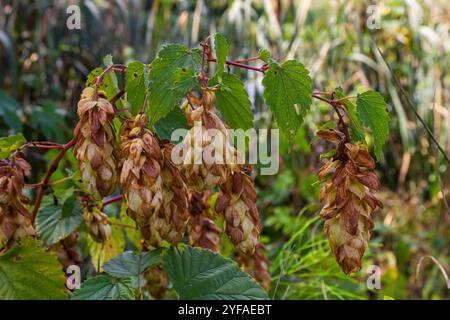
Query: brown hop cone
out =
(174, 207)
(203, 232)
(154, 190)
(15, 219)
(156, 282)
(95, 145)
(258, 266)
(237, 200)
(97, 222)
(208, 157)
(348, 181)
(66, 251)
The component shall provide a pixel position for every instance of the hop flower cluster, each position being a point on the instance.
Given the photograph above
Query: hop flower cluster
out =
(66, 250)
(208, 157)
(15, 219)
(347, 184)
(237, 201)
(154, 191)
(203, 232)
(156, 282)
(257, 265)
(97, 222)
(95, 144)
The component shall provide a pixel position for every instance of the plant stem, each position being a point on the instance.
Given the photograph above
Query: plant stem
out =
(113, 67)
(45, 181)
(112, 200)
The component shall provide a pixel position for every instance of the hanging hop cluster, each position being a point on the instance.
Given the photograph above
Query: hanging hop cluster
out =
(156, 282)
(97, 222)
(208, 157)
(95, 144)
(257, 265)
(237, 201)
(203, 232)
(347, 183)
(15, 219)
(154, 191)
(66, 250)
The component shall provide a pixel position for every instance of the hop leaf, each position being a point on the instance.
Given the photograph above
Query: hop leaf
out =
(221, 47)
(371, 109)
(287, 91)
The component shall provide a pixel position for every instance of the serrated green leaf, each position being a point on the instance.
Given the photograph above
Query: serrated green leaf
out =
(162, 97)
(264, 55)
(233, 102)
(10, 144)
(57, 222)
(371, 109)
(130, 264)
(287, 91)
(104, 287)
(29, 272)
(184, 81)
(135, 85)
(199, 274)
(221, 47)
(175, 119)
(356, 131)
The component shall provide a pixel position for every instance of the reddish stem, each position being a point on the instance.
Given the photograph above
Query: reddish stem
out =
(112, 200)
(45, 181)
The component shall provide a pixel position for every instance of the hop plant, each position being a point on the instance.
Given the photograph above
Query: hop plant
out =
(201, 168)
(154, 191)
(15, 219)
(97, 222)
(95, 144)
(203, 232)
(156, 282)
(237, 201)
(257, 265)
(348, 180)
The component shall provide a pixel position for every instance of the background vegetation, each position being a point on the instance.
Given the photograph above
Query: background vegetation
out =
(43, 68)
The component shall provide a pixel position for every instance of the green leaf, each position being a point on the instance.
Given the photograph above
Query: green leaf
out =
(199, 274)
(130, 264)
(57, 222)
(287, 91)
(264, 55)
(135, 85)
(29, 272)
(104, 287)
(184, 81)
(356, 131)
(233, 102)
(10, 144)
(170, 58)
(109, 83)
(174, 120)
(49, 119)
(371, 109)
(9, 112)
(221, 47)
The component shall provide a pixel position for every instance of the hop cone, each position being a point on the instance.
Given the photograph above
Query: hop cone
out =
(203, 232)
(237, 200)
(15, 219)
(97, 223)
(95, 145)
(201, 170)
(257, 265)
(156, 282)
(154, 191)
(348, 181)
(66, 251)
